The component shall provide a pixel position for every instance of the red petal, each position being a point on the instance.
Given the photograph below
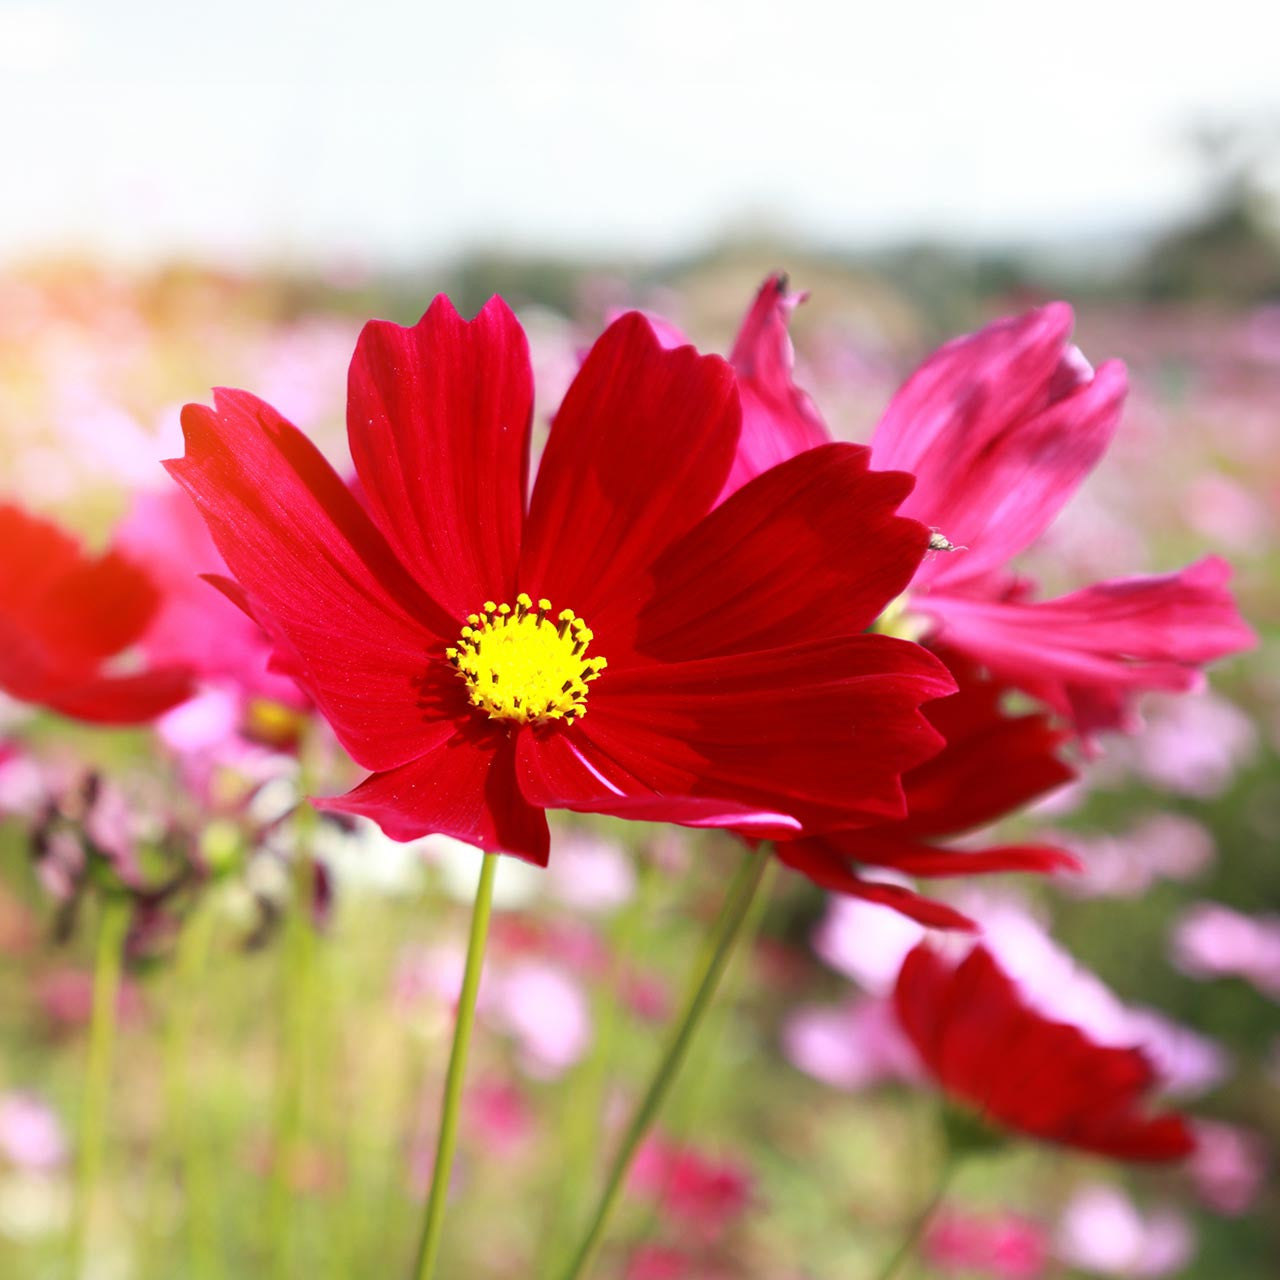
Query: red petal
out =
(368, 642)
(836, 876)
(123, 699)
(778, 419)
(818, 731)
(637, 454)
(986, 1046)
(811, 549)
(438, 419)
(465, 787)
(62, 613)
(563, 769)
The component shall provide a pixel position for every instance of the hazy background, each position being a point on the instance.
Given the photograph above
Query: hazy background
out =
(386, 134)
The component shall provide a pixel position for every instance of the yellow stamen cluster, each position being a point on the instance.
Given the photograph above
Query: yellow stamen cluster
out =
(519, 664)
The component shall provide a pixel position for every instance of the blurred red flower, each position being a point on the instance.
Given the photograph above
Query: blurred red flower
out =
(620, 647)
(65, 615)
(987, 1048)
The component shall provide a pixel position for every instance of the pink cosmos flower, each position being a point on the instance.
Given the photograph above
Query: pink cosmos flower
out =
(200, 628)
(849, 1046)
(1006, 1246)
(1102, 1232)
(1213, 941)
(1194, 746)
(31, 1135)
(1228, 1167)
(703, 1193)
(1165, 846)
(1000, 428)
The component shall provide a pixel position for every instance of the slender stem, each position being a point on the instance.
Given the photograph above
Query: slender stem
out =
(113, 925)
(726, 932)
(447, 1139)
(919, 1222)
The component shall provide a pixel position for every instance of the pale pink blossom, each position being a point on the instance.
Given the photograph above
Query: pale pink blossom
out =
(1213, 941)
(1228, 1167)
(1102, 1232)
(31, 1135)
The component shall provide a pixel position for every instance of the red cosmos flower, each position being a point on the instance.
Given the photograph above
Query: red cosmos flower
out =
(64, 615)
(1000, 428)
(986, 1047)
(617, 646)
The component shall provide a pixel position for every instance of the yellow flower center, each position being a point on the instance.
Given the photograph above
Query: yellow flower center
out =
(519, 664)
(897, 620)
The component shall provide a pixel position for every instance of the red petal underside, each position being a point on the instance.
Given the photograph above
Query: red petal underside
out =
(837, 876)
(993, 763)
(438, 418)
(778, 419)
(1099, 646)
(987, 1047)
(464, 787)
(818, 731)
(123, 699)
(362, 636)
(809, 550)
(637, 454)
(562, 769)
(1000, 428)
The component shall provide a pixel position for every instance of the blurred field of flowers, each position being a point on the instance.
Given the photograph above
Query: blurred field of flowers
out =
(799, 1143)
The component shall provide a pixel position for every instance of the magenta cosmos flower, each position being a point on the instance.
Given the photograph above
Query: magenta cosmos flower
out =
(1000, 428)
(612, 645)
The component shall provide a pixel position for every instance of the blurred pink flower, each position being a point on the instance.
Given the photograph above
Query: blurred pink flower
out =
(703, 1193)
(1165, 846)
(1228, 1167)
(849, 1046)
(1213, 941)
(498, 1116)
(1102, 1232)
(659, 1262)
(66, 996)
(1005, 1246)
(1228, 513)
(1194, 745)
(547, 1013)
(197, 625)
(31, 1135)
(590, 874)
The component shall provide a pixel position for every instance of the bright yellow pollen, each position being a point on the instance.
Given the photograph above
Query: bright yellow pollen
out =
(521, 665)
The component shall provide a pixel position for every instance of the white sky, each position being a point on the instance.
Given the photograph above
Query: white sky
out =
(393, 131)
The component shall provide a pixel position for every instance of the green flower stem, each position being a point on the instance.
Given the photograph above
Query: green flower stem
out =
(113, 926)
(725, 934)
(447, 1139)
(919, 1222)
